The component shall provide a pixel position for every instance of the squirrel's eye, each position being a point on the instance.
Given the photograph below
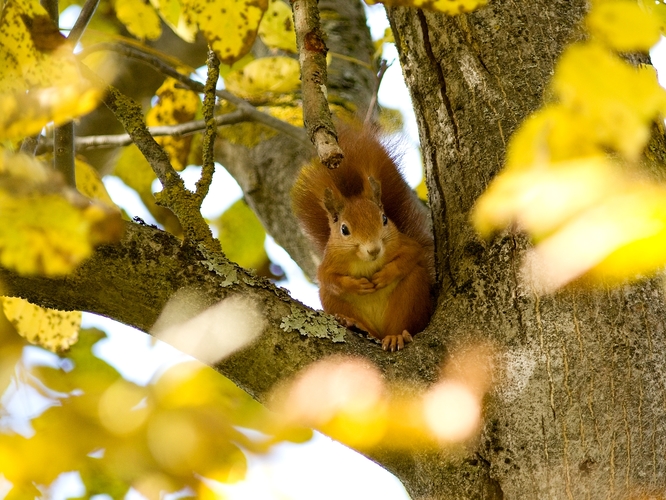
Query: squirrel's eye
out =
(344, 230)
(384, 219)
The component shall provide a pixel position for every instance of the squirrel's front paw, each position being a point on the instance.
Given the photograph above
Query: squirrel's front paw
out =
(396, 342)
(382, 278)
(361, 286)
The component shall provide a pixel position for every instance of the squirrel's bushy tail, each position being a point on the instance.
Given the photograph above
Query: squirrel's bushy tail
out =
(365, 156)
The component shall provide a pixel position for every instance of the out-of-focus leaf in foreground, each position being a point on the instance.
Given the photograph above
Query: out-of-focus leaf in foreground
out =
(589, 212)
(44, 227)
(183, 427)
(39, 79)
(450, 7)
(348, 400)
(54, 330)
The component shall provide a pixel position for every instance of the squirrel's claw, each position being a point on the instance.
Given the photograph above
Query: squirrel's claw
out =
(396, 342)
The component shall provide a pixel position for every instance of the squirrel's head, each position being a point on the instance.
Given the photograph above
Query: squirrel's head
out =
(358, 225)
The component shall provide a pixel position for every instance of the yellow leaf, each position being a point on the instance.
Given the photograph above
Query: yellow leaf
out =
(171, 11)
(54, 330)
(23, 114)
(622, 235)
(541, 199)
(379, 44)
(242, 236)
(617, 101)
(140, 19)
(277, 27)
(135, 171)
(89, 183)
(450, 7)
(41, 232)
(39, 78)
(624, 26)
(265, 77)
(174, 106)
(229, 26)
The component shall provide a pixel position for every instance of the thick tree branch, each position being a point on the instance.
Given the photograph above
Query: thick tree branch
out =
(131, 282)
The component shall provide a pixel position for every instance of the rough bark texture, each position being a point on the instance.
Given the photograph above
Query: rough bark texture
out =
(578, 405)
(579, 400)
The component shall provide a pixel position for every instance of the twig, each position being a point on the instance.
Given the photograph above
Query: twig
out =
(174, 195)
(250, 111)
(63, 152)
(208, 162)
(312, 58)
(383, 66)
(82, 21)
(29, 144)
(84, 143)
(63, 135)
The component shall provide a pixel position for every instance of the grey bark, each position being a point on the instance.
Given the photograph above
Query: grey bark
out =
(578, 403)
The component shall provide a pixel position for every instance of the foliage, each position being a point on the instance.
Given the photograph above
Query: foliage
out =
(560, 185)
(591, 213)
(186, 424)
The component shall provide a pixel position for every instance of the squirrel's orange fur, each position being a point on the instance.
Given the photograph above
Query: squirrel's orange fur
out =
(377, 267)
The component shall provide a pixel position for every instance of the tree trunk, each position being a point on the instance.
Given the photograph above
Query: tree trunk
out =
(578, 403)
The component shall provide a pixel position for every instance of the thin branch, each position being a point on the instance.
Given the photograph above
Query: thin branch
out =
(82, 21)
(29, 144)
(63, 152)
(84, 143)
(208, 162)
(250, 111)
(383, 66)
(174, 195)
(312, 58)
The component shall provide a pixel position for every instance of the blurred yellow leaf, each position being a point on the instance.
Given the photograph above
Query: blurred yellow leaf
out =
(41, 231)
(265, 77)
(615, 100)
(140, 19)
(624, 25)
(229, 26)
(55, 330)
(23, 114)
(379, 44)
(242, 236)
(541, 199)
(39, 78)
(450, 7)
(134, 170)
(89, 183)
(174, 106)
(277, 27)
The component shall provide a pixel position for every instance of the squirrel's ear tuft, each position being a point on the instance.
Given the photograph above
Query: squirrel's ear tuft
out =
(376, 191)
(332, 204)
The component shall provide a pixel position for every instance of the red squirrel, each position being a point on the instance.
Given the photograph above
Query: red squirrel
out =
(377, 268)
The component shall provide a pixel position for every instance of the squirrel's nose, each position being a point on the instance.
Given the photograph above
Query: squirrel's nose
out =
(374, 251)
